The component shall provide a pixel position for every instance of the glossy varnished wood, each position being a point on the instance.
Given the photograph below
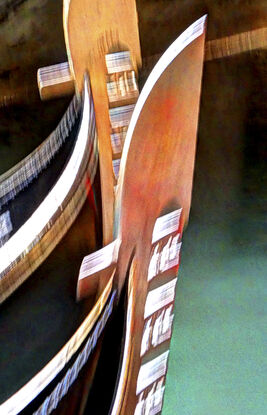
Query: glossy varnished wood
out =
(92, 30)
(158, 161)
(157, 173)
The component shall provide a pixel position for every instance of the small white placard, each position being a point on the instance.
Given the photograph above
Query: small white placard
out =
(151, 371)
(166, 224)
(99, 260)
(159, 297)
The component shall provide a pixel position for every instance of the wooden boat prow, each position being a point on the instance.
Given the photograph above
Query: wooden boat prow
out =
(93, 30)
(152, 206)
(155, 181)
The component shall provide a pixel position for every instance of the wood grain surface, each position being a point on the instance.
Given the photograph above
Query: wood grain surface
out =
(92, 30)
(156, 177)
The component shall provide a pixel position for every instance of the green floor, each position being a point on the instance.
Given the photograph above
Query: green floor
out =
(218, 361)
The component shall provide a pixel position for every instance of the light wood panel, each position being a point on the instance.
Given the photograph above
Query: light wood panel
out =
(92, 30)
(214, 49)
(152, 206)
(156, 178)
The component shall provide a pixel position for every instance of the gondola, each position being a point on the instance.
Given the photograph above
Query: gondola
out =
(60, 191)
(130, 282)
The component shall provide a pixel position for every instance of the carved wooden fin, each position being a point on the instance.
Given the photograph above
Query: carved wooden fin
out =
(152, 206)
(94, 29)
(154, 197)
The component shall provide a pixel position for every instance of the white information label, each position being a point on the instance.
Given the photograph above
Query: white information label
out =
(160, 297)
(166, 224)
(99, 260)
(151, 371)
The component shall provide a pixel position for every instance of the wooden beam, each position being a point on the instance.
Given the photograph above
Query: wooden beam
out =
(214, 49)
(55, 81)
(235, 44)
(92, 30)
